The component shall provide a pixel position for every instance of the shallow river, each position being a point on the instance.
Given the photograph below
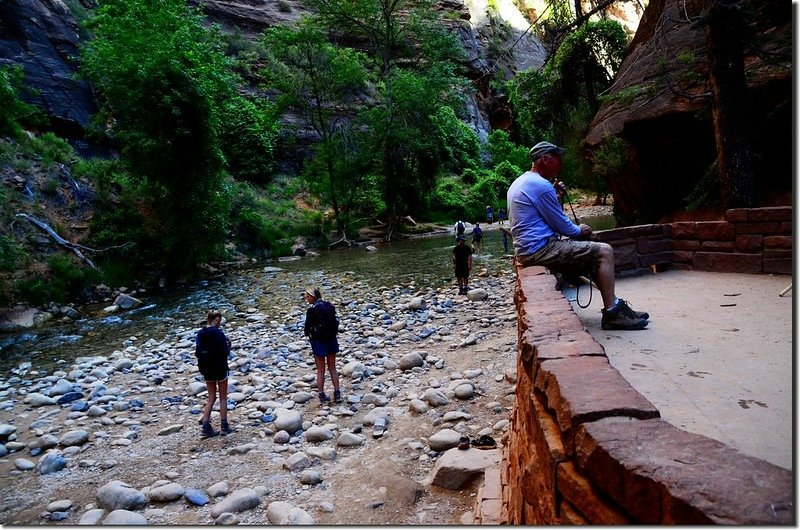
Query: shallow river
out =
(423, 261)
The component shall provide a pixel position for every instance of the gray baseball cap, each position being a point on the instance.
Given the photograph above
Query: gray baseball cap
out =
(543, 148)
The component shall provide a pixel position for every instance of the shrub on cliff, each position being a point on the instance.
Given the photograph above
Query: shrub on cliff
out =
(15, 110)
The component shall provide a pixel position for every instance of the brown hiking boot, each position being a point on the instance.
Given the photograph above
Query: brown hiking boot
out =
(618, 318)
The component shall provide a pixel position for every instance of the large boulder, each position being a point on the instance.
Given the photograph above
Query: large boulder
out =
(19, 318)
(456, 469)
(126, 301)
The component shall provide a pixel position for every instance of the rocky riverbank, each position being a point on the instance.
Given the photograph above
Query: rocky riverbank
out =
(114, 438)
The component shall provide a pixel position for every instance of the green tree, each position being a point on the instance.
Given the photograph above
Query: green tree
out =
(502, 149)
(162, 78)
(249, 131)
(318, 79)
(460, 145)
(413, 58)
(558, 102)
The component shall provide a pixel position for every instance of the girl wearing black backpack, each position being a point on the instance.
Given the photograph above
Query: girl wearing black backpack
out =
(321, 328)
(212, 352)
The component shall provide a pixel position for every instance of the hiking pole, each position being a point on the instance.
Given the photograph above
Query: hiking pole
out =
(582, 280)
(566, 196)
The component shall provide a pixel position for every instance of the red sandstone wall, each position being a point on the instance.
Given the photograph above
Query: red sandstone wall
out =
(584, 447)
(754, 241)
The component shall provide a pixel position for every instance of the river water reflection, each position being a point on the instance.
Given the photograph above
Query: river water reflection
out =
(422, 261)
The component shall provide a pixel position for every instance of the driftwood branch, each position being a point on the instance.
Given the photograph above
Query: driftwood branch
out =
(344, 241)
(74, 247)
(58, 239)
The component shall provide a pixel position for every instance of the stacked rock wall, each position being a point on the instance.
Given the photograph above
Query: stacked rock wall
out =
(754, 241)
(584, 447)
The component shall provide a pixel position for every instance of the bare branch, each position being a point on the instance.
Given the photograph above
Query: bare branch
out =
(74, 247)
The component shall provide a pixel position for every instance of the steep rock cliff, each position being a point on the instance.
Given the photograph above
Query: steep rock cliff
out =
(660, 105)
(42, 37)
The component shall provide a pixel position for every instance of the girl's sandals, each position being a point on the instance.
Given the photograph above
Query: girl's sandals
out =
(463, 444)
(484, 442)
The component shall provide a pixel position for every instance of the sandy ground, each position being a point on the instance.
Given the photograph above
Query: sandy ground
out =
(716, 358)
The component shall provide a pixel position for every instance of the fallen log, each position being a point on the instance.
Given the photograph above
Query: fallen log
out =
(74, 247)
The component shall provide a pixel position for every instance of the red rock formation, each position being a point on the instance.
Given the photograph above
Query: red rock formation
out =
(661, 106)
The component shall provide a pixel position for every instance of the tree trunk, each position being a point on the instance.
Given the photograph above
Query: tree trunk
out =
(337, 214)
(724, 30)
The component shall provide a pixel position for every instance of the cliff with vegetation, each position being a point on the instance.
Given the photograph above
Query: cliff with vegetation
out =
(144, 142)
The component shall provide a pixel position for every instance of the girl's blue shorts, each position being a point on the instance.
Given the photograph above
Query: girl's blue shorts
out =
(323, 348)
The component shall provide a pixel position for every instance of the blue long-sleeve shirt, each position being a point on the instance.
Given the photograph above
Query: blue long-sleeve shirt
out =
(535, 214)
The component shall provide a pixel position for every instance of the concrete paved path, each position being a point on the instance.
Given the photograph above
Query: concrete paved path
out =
(716, 358)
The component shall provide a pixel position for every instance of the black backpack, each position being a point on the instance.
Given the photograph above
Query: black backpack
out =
(202, 350)
(327, 325)
(460, 228)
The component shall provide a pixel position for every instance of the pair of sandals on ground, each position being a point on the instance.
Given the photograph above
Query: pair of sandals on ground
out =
(484, 442)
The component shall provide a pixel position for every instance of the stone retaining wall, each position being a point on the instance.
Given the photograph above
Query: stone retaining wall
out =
(755, 241)
(584, 447)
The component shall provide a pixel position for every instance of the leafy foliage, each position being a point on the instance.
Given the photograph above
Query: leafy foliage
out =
(610, 160)
(15, 111)
(582, 67)
(248, 134)
(50, 148)
(162, 77)
(12, 255)
(413, 63)
(318, 79)
(63, 280)
(557, 103)
(460, 145)
(447, 199)
(490, 190)
(265, 225)
(502, 149)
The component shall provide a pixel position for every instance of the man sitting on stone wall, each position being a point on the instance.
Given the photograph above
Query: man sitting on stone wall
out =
(537, 223)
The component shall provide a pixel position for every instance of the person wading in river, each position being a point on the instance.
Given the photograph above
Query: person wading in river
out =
(462, 264)
(321, 328)
(212, 352)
